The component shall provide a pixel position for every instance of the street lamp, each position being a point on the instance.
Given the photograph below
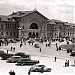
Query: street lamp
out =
(19, 32)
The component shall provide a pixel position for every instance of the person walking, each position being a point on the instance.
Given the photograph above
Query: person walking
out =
(68, 63)
(12, 72)
(7, 51)
(29, 72)
(42, 69)
(46, 44)
(56, 44)
(40, 49)
(11, 48)
(55, 59)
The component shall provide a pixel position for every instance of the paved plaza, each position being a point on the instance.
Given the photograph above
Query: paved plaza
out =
(46, 57)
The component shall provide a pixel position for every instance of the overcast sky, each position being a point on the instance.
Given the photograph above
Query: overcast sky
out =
(52, 9)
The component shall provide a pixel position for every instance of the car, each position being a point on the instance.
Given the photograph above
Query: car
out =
(13, 41)
(31, 41)
(72, 54)
(13, 59)
(4, 56)
(23, 55)
(1, 52)
(36, 46)
(27, 61)
(38, 68)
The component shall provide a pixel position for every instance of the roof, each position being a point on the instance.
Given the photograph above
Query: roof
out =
(70, 24)
(20, 14)
(51, 22)
(6, 18)
(54, 21)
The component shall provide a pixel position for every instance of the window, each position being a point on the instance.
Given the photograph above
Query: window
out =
(55, 34)
(10, 33)
(1, 33)
(1, 26)
(23, 26)
(6, 33)
(14, 33)
(50, 33)
(15, 26)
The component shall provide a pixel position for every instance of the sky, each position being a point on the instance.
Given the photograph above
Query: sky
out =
(53, 9)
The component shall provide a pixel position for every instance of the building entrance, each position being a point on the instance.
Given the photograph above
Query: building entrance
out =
(33, 30)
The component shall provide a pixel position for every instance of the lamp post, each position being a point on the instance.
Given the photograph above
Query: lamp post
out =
(19, 32)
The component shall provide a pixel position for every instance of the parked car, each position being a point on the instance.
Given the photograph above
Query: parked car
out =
(36, 46)
(13, 41)
(4, 56)
(17, 39)
(31, 41)
(72, 54)
(1, 52)
(38, 68)
(23, 55)
(27, 61)
(13, 59)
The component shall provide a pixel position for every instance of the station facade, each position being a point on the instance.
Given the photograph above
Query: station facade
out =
(33, 24)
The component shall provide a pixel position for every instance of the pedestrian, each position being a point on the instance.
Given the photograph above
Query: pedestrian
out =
(29, 72)
(10, 72)
(55, 59)
(68, 63)
(32, 43)
(13, 73)
(56, 44)
(42, 69)
(21, 45)
(46, 45)
(7, 51)
(40, 49)
(59, 48)
(14, 49)
(49, 43)
(11, 48)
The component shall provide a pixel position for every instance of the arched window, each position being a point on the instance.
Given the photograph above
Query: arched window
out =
(33, 26)
(23, 26)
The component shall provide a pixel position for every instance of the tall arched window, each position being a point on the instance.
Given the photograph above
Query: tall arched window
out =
(33, 26)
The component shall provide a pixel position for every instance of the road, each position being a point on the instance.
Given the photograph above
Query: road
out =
(45, 57)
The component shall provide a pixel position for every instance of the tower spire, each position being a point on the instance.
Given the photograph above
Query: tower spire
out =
(35, 6)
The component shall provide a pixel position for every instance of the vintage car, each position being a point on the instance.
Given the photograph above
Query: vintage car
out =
(13, 41)
(72, 54)
(1, 52)
(38, 68)
(36, 46)
(27, 61)
(31, 41)
(13, 59)
(4, 56)
(23, 55)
